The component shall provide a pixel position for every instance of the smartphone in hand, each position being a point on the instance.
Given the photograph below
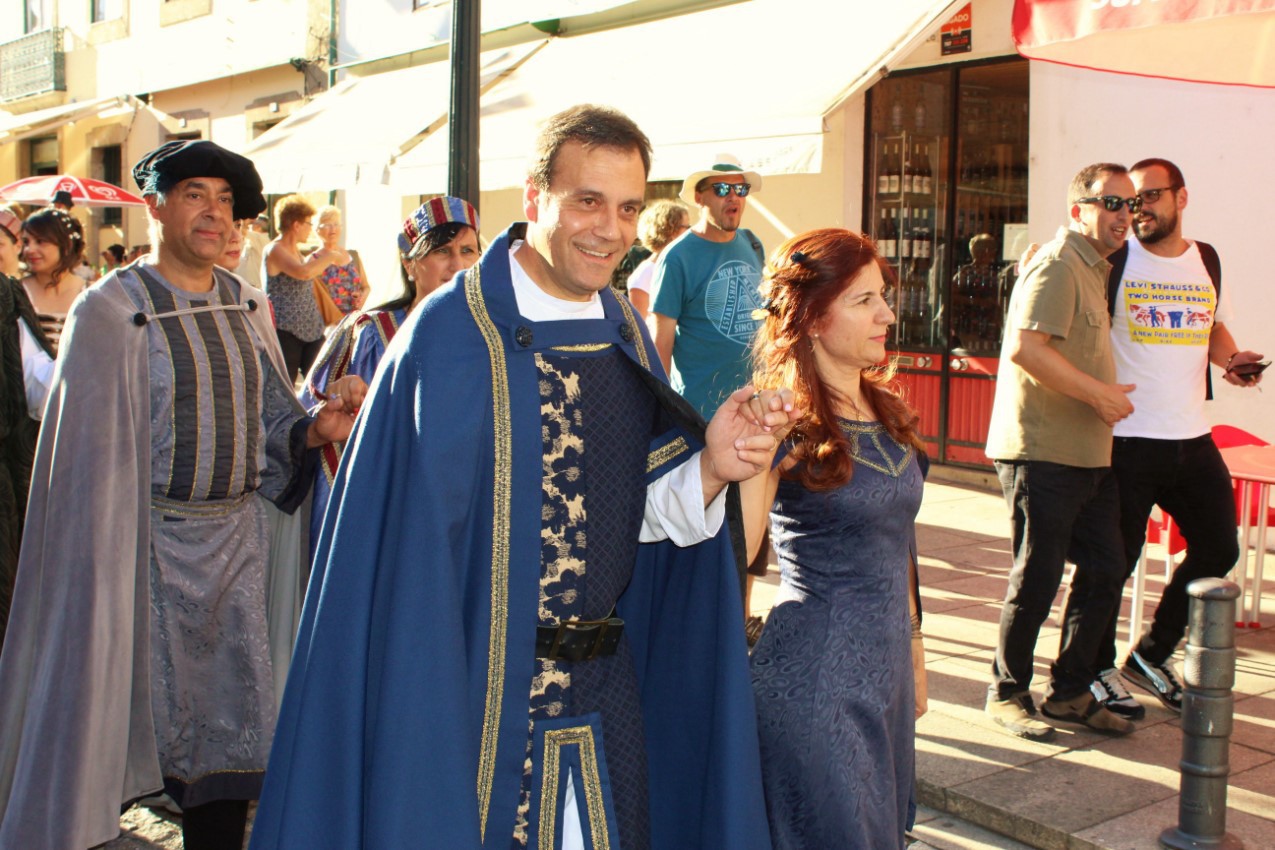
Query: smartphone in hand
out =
(1249, 371)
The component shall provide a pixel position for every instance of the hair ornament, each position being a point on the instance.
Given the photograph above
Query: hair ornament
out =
(799, 258)
(68, 221)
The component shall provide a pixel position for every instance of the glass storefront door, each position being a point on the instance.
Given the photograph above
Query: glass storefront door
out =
(946, 186)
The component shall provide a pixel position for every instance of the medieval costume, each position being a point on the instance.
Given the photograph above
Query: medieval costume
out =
(158, 586)
(19, 427)
(494, 488)
(355, 347)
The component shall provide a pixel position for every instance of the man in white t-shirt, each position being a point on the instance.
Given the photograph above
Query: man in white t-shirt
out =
(1169, 321)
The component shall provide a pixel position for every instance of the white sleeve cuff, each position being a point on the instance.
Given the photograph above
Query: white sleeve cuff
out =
(675, 508)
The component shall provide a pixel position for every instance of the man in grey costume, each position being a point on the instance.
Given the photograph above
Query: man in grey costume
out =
(162, 566)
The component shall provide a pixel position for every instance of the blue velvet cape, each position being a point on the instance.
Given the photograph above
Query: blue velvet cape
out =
(404, 722)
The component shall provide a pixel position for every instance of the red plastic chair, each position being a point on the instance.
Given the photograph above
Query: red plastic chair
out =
(1162, 530)
(1226, 437)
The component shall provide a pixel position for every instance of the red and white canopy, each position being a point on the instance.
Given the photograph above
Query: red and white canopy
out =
(84, 191)
(1213, 41)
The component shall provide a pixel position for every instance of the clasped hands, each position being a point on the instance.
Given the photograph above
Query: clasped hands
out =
(744, 434)
(334, 417)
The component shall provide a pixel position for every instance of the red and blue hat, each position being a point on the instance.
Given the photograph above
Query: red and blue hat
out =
(444, 210)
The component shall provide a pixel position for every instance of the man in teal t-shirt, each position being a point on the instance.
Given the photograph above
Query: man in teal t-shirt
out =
(706, 289)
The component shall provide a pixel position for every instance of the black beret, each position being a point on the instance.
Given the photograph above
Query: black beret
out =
(175, 161)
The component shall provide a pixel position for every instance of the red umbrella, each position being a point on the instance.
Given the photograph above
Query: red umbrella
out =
(1209, 41)
(84, 191)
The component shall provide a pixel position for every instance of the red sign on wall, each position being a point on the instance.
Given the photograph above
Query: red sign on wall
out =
(957, 33)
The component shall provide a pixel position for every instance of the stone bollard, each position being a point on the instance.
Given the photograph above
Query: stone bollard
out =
(1207, 712)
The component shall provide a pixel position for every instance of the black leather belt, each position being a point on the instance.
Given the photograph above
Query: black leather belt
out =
(579, 640)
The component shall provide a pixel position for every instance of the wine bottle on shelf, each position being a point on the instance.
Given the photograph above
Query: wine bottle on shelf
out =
(883, 171)
(895, 166)
(921, 241)
(889, 235)
(905, 234)
(927, 173)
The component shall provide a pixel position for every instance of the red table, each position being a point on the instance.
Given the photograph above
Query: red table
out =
(1255, 465)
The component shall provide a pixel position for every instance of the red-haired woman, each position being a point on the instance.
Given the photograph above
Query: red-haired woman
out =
(832, 672)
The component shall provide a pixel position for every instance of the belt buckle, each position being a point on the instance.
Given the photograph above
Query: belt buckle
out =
(603, 626)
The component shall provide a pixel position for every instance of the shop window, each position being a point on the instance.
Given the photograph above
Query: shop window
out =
(945, 199)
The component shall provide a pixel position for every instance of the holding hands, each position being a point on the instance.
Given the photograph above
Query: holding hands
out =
(743, 436)
(334, 417)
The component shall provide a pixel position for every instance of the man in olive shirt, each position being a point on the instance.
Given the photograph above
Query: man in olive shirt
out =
(1050, 438)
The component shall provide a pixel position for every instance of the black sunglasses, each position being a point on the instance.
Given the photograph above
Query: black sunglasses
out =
(1150, 196)
(721, 190)
(1114, 202)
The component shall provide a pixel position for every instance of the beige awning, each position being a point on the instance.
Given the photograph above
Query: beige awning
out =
(755, 79)
(350, 135)
(23, 125)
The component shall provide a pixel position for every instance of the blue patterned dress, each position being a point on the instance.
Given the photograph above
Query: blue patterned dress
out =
(832, 672)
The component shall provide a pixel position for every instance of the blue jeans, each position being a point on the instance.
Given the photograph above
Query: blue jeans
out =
(1058, 513)
(1190, 482)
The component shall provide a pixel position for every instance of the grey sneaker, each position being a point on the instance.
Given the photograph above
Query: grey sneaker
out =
(1109, 690)
(1157, 679)
(1017, 715)
(1086, 711)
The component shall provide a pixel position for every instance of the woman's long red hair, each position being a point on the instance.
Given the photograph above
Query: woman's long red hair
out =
(803, 277)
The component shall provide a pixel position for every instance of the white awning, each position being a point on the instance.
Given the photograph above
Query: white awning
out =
(754, 79)
(1209, 41)
(349, 135)
(22, 125)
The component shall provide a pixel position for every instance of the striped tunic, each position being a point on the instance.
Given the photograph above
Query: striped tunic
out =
(217, 410)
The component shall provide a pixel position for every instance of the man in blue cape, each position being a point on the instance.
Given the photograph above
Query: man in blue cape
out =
(524, 624)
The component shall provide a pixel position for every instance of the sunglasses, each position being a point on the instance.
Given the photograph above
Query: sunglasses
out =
(1111, 203)
(1150, 196)
(721, 190)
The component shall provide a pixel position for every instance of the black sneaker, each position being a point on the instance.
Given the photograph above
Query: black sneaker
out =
(1157, 679)
(1109, 690)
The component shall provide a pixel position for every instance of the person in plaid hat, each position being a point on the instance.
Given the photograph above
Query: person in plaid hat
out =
(438, 240)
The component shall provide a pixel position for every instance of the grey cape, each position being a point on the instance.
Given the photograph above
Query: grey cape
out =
(77, 736)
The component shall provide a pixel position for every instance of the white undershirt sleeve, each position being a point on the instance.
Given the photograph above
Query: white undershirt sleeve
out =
(37, 372)
(675, 509)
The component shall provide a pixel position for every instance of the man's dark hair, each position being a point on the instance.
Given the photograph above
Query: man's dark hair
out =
(1175, 173)
(591, 126)
(1082, 183)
